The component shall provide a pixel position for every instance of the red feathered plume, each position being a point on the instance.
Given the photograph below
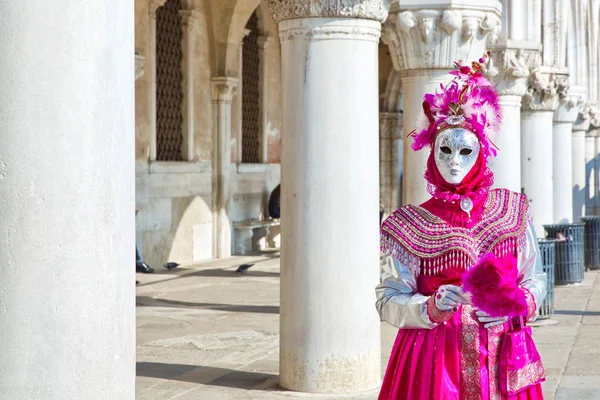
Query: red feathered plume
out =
(493, 287)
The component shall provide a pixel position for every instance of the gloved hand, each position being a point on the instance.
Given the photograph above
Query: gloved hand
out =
(450, 297)
(488, 320)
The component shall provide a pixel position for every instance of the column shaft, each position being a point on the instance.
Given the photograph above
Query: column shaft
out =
(579, 174)
(67, 192)
(415, 84)
(536, 165)
(562, 165)
(507, 165)
(590, 175)
(223, 91)
(330, 339)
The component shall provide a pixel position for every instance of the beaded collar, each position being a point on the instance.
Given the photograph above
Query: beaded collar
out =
(427, 244)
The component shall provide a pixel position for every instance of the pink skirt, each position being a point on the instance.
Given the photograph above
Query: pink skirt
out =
(458, 360)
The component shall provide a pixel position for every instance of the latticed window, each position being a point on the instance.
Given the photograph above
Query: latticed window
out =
(251, 94)
(169, 82)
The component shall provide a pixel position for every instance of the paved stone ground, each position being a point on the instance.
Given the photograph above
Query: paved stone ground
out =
(207, 333)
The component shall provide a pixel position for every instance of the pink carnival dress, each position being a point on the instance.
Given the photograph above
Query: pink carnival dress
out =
(450, 355)
(446, 355)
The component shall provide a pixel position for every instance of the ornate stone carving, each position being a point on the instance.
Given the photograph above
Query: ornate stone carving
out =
(542, 91)
(508, 69)
(367, 9)
(583, 116)
(594, 118)
(435, 38)
(329, 32)
(223, 89)
(139, 66)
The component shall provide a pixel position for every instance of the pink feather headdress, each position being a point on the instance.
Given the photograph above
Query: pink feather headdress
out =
(470, 101)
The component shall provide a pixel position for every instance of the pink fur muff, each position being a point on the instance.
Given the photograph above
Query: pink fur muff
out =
(494, 288)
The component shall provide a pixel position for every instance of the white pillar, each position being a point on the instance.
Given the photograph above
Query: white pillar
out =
(67, 191)
(562, 166)
(590, 172)
(263, 83)
(536, 165)
(424, 44)
(579, 175)
(509, 69)
(390, 131)
(596, 193)
(223, 90)
(506, 166)
(330, 339)
(562, 142)
(415, 84)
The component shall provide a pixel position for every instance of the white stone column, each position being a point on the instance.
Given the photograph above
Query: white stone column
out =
(594, 132)
(330, 332)
(537, 165)
(390, 131)
(508, 69)
(579, 168)
(67, 188)
(188, 25)
(596, 193)
(223, 89)
(562, 160)
(424, 45)
(506, 166)
(263, 84)
(590, 173)
(539, 105)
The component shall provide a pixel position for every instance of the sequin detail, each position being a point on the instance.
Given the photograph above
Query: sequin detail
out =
(436, 315)
(428, 245)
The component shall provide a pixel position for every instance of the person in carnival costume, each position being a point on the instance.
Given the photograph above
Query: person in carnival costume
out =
(459, 269)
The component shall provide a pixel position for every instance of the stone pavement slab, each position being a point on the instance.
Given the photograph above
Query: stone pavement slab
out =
(207, 332)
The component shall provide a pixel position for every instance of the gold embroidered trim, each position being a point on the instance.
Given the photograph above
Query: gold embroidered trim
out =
(469, 355)
(527, 376)
(494, 338)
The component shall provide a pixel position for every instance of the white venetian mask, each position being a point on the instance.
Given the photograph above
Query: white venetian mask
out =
(456, 151)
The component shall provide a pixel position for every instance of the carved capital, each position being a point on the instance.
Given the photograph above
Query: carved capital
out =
(292, 9)
(509, 69)
(583, 116)
(542, 90)
(223, 89)
(435, 38)
(594, 118)
(139, 66)
(568, 100)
